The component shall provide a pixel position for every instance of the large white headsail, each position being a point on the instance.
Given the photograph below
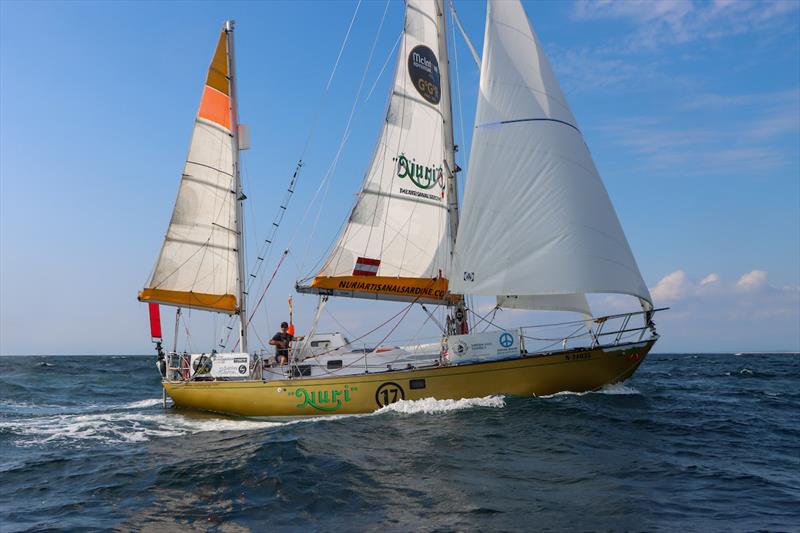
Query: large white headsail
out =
(396, 244)
(537, 221)
(198, 264)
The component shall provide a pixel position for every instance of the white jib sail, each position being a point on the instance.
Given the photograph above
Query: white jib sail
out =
(537, 221)
(398, 226)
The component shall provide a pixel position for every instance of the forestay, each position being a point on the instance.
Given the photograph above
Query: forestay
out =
(537, 222)
(395, 245)
(198, 264)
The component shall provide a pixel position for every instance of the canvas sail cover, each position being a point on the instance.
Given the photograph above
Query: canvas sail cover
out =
(198, 264)
(537, 222)
(395, 245)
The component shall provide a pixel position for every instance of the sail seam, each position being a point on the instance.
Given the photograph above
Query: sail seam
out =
(199, 243)
(419, 101)
(195, 179)
(209, 167)
(211, 124)
(514, 121)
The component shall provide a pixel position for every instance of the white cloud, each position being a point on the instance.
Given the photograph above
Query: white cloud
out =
(747, 314)
(751, 295)
(659, 22)
(751, 281)
(671, 287)
(677, 286)
(711, 278)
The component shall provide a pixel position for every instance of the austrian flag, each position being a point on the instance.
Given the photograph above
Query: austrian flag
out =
(366, 267)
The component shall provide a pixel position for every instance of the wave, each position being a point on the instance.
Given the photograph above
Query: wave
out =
(121, 427)
(613, 389)
(141, 404)
(433, 406)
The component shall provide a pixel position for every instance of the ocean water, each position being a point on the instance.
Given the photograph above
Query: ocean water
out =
(691, 443)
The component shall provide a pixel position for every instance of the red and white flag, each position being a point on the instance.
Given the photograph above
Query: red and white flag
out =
(366, 267)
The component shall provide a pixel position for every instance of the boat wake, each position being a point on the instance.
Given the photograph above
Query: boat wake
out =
(126, 423)
(142, 404)
(613, 389)
(143, 420)
(433, 406)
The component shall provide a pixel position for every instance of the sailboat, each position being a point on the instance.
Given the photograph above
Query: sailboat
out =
(536, 231)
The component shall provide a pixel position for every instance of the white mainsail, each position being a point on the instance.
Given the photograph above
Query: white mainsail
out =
(198, 265)
(396, 242)
(537, 222)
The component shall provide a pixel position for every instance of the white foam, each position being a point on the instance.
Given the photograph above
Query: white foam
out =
(432, 405)
(142, 404)
(612, 389)
(124, 427)
(617, 388)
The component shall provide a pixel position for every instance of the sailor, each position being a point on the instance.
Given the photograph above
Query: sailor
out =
(282, 341)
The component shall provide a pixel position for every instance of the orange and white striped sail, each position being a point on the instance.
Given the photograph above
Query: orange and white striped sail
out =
(198, 263)
(396, 243)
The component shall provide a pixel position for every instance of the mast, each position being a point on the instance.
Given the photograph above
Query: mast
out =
(459, 319)
(240, 197)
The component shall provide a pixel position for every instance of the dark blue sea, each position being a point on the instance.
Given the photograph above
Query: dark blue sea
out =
(691, 443)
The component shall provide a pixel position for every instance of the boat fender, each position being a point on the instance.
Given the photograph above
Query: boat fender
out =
(161, 362)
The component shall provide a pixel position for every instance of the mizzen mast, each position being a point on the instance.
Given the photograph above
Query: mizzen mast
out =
(240, 197)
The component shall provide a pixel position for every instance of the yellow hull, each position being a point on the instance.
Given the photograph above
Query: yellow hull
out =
(578, 371)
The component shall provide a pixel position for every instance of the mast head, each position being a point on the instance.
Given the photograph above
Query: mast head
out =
(229, 24)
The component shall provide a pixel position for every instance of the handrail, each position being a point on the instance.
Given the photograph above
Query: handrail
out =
(620, 315)
(621, 331)
(596, 320)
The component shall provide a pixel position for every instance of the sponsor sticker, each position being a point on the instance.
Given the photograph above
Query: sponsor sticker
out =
(423, 67)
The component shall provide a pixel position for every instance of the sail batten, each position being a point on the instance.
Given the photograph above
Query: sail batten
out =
(400, 217)
(198, 263)
(537, 229)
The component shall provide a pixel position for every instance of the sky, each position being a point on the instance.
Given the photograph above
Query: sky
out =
(690, 109)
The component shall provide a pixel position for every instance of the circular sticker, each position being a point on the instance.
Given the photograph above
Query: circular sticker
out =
(423, 67)
(460, 348)
(506, 340)
(388, 393)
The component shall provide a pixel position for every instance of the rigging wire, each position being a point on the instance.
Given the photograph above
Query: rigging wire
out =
(464, 34)
(403, 311)
(347, 130)
(263, 256)
(349, 334)
(261, 299)
(380, 74)
(330, 80)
